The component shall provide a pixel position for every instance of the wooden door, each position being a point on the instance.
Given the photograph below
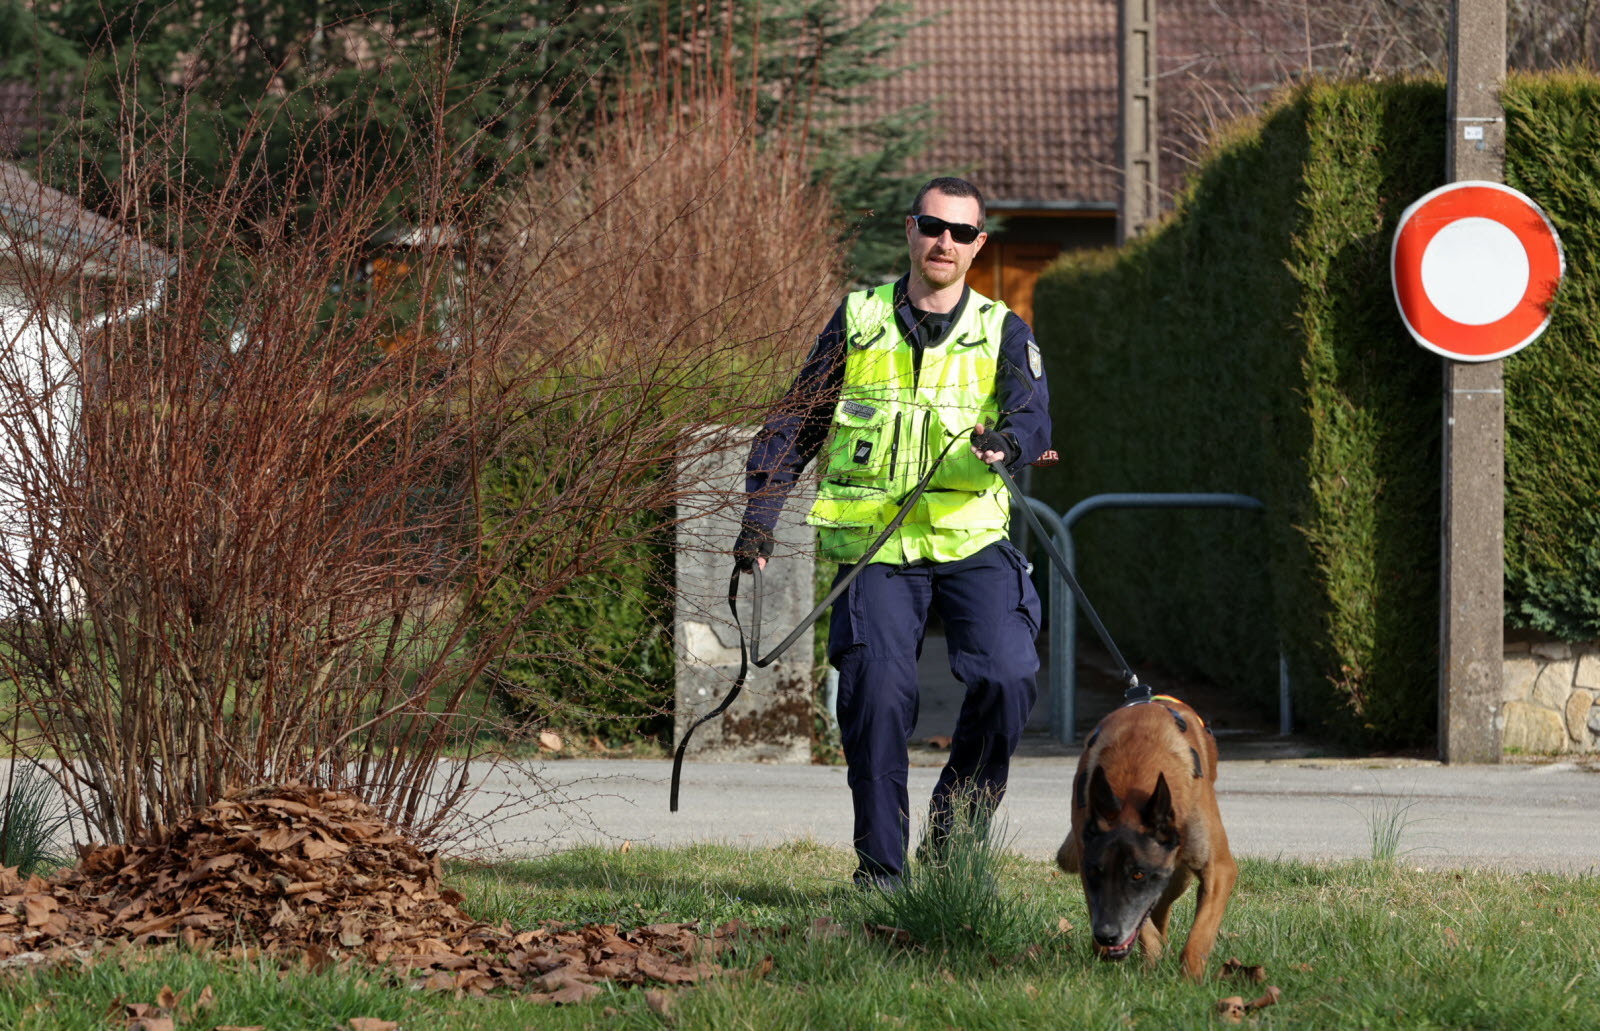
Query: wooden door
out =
(1009, 271)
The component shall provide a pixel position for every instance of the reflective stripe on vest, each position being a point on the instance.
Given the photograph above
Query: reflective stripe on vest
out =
(891, 422)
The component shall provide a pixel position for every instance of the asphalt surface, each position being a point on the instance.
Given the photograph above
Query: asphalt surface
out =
(1518, 818)
(1283, 806)
(1281, 798)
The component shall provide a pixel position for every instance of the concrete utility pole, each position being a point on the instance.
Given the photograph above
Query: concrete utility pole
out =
(1472, 575)
(1138, 152)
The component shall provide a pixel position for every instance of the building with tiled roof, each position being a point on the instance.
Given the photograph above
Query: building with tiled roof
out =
(57, 260)
(1025, 94)
(45, 234)
(1025, 98)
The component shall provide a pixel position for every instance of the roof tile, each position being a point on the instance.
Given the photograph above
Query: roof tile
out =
(1026, 90)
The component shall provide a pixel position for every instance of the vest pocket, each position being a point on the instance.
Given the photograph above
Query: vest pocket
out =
(967, 510)
(862, 444)
(842, 503)
(960, 469)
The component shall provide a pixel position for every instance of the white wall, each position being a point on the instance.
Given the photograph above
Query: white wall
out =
(40, 398)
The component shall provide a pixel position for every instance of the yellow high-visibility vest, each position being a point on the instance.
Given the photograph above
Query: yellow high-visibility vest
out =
(892, 422)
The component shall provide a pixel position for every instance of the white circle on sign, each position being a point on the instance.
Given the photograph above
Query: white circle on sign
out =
(1475, 271)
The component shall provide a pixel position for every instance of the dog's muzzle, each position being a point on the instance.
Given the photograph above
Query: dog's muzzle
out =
(1112, 945)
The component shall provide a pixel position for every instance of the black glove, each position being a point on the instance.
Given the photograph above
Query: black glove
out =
(994, 440)
(755, 541)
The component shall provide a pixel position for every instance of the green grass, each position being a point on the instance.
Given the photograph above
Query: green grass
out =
(1356, 945)
(32, 816)
(948, 900)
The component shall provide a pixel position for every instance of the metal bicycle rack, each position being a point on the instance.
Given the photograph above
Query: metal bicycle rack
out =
(1063, 606)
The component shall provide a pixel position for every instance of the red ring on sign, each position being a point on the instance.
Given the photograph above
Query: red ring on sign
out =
(1544, 271)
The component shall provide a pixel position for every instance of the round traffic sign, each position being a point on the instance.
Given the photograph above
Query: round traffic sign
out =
(1475, 266)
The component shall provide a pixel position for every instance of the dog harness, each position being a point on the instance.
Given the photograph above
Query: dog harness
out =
(1177, 717)
(1163, 699)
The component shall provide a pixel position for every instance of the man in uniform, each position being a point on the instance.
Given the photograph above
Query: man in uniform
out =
(900, 373)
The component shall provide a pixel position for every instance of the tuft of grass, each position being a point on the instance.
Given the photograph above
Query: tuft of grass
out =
(1388, 818)
(951, 897)
(32, 817)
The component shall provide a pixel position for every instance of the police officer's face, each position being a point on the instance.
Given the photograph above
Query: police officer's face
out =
(941, 261)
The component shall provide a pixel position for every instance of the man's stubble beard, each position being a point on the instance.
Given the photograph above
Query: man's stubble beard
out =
(928, 274)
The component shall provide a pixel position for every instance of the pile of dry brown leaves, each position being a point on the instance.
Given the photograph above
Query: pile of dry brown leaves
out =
(304, 872)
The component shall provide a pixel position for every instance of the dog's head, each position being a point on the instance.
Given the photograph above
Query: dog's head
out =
(1128, 858)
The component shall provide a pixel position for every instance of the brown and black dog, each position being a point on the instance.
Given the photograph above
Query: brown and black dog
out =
(1144, 819)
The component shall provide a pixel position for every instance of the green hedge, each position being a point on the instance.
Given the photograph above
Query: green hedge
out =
(1552, 417)
(595, 658)
(1250, 343)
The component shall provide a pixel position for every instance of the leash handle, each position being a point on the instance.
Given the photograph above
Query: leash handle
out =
(1135, 691)
(738, 685)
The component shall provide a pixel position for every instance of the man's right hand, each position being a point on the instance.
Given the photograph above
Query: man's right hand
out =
(753, 547)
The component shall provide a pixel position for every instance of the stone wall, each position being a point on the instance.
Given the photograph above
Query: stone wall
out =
(772, 719)
(1551, 697)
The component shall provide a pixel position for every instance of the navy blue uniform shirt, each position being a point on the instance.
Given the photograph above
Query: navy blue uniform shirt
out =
(798, 426)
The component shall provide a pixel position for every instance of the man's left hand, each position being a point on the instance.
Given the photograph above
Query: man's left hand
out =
(991, 446)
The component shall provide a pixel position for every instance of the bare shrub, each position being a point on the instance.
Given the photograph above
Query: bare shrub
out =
(243, 549)
(684, 256)
(1225, 59)
(246, 534)
(682, 231)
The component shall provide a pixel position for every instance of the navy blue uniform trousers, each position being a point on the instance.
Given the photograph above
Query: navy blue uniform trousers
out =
(990, 613)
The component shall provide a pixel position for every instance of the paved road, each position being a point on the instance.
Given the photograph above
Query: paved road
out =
(1513, 817)
(1278, 799)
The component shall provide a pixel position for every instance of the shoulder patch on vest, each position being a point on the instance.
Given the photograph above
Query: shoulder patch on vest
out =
(859, 410)
(1035, 359)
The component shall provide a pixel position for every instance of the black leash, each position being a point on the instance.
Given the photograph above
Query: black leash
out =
(745, 662)
(1135, 689)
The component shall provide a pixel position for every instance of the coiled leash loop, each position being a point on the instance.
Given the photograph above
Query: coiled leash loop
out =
(1134, 690)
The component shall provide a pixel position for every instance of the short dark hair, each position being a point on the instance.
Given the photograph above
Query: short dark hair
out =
(950, 186)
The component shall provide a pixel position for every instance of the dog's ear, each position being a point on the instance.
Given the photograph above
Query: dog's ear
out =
(1158, 815)
(1104, 805)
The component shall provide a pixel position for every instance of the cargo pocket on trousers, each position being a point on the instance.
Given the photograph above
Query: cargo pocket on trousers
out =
(1027, 598)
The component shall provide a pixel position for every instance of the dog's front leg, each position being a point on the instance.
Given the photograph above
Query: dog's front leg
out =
(1216, 885)
(1153, 941)
(1153, 935)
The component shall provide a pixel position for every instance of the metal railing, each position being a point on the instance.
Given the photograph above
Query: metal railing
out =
(1063, 606)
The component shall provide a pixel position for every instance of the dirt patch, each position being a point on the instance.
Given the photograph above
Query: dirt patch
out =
(319, 877)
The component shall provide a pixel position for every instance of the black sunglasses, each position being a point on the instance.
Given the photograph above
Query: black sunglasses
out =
(933, 228)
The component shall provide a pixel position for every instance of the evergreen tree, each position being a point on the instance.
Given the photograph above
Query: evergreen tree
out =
(814, 61)
(345, 84)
